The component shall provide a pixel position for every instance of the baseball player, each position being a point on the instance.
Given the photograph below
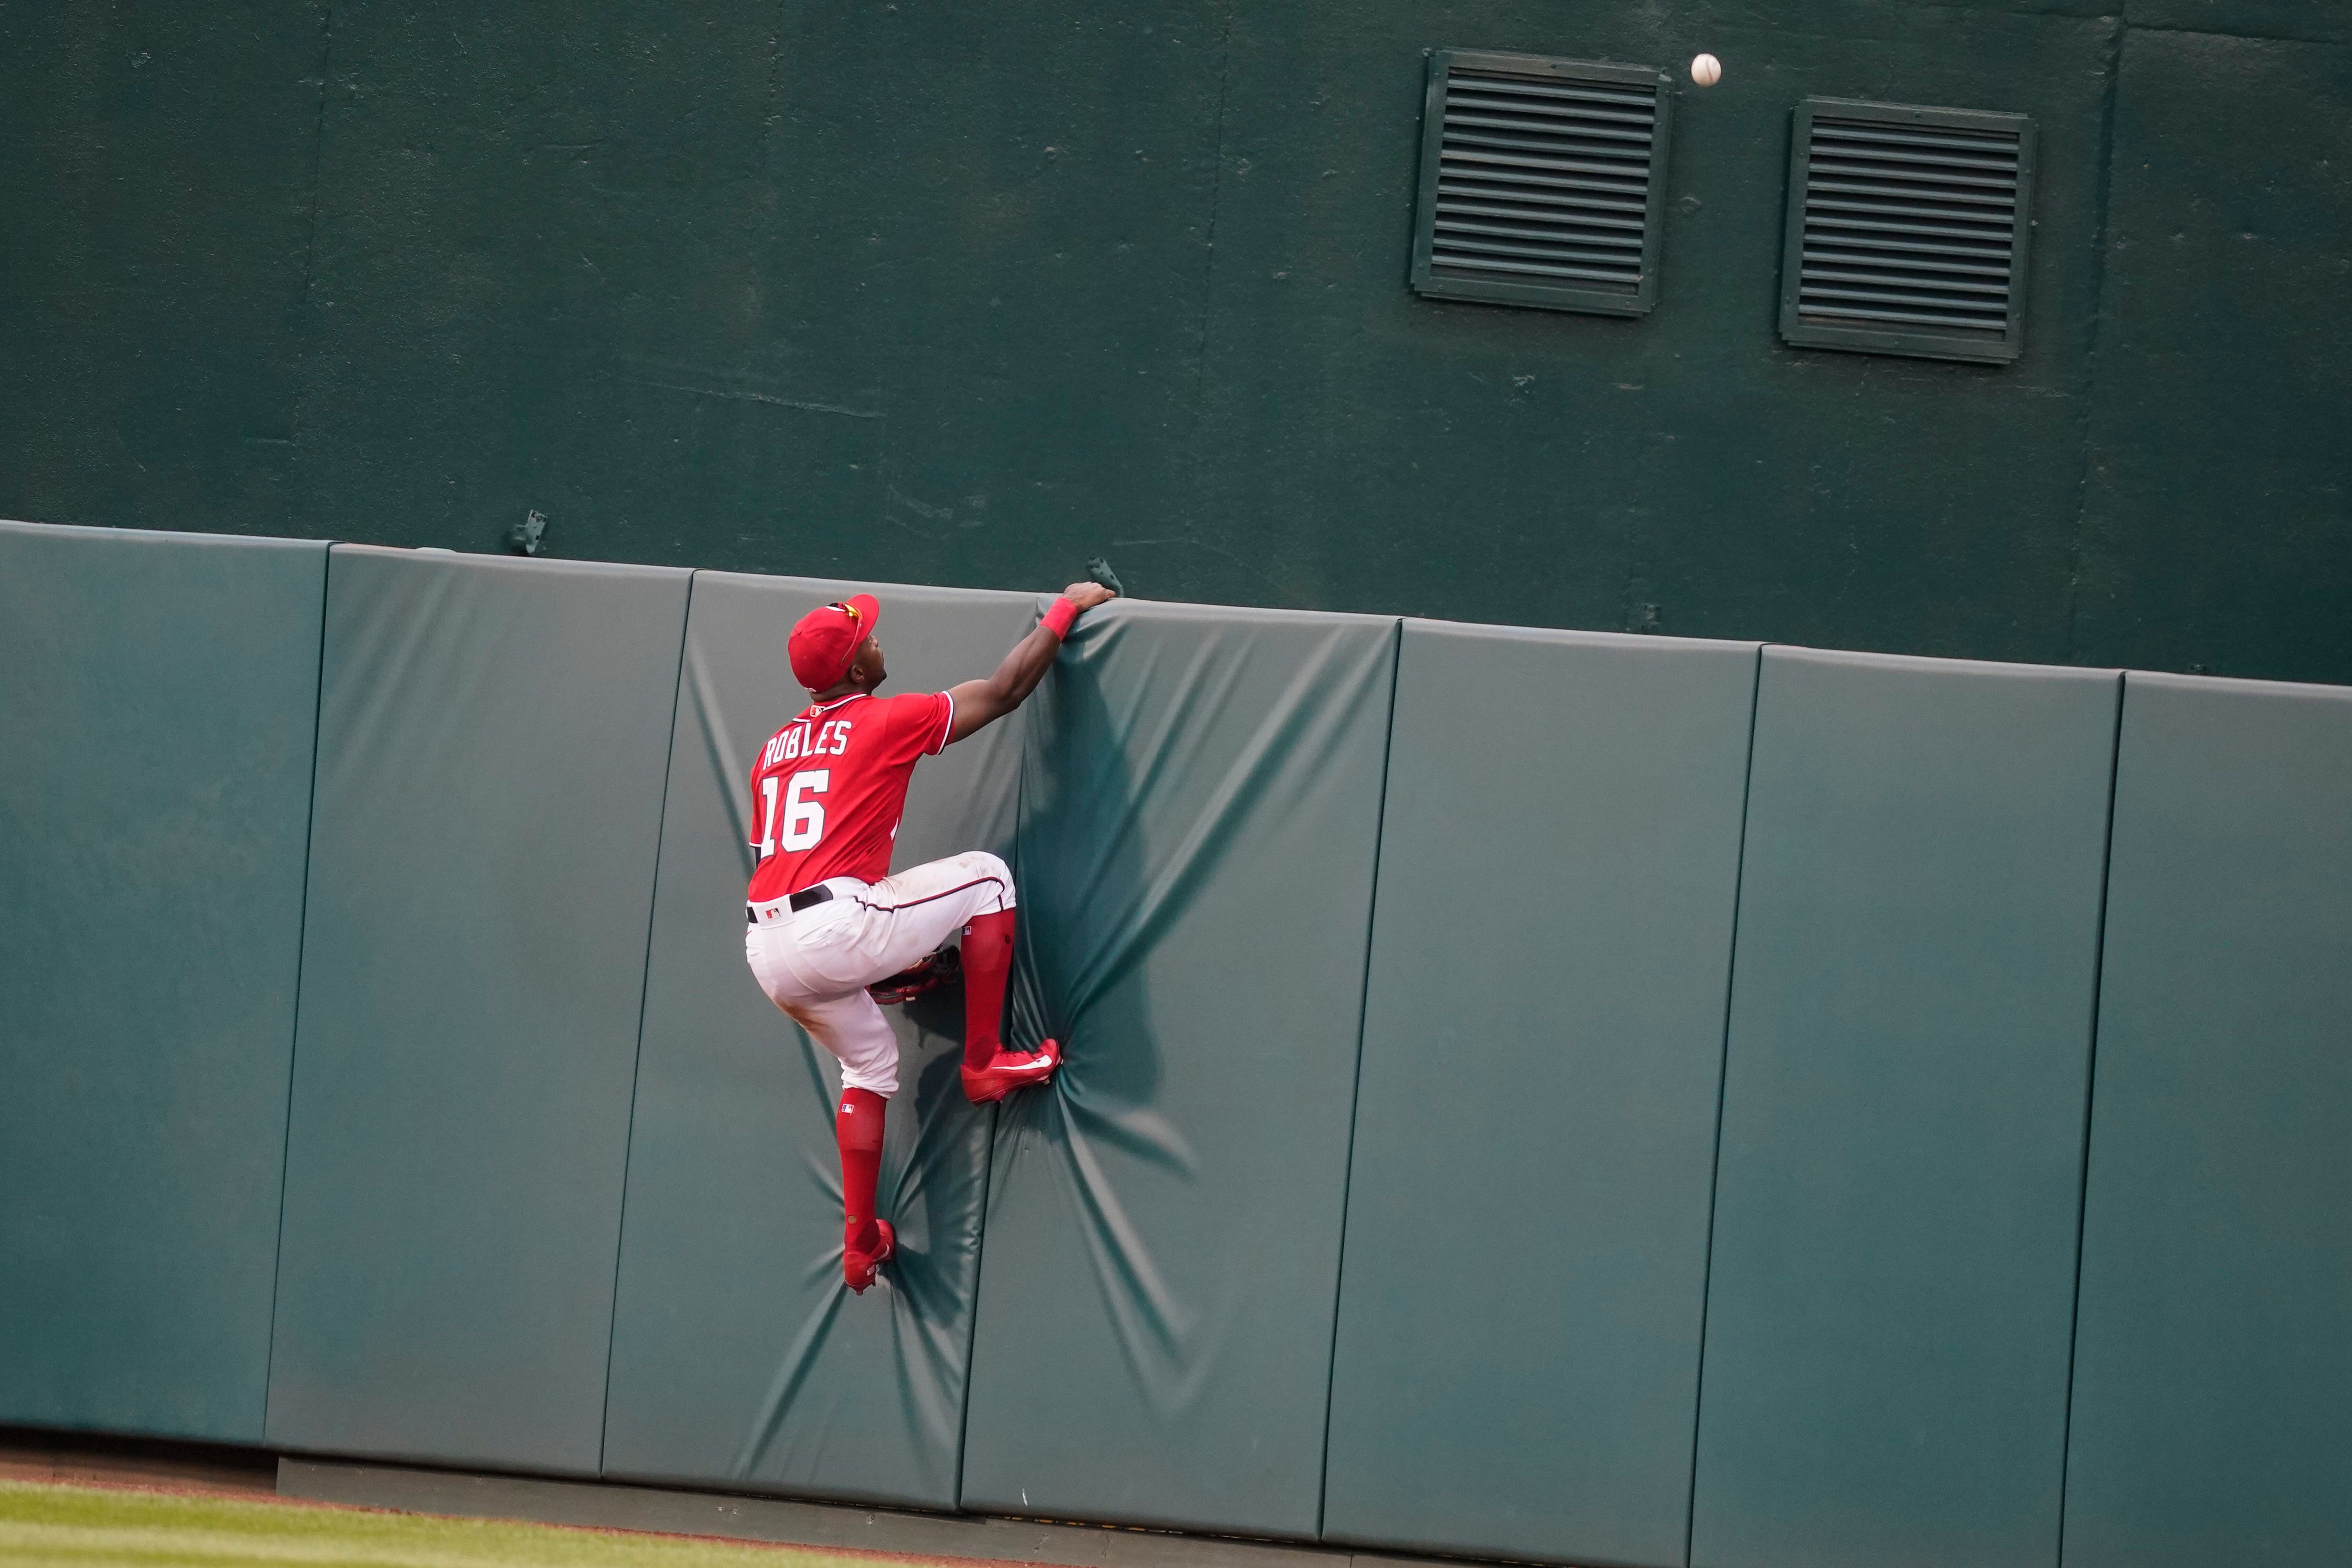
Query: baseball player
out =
(826, 917)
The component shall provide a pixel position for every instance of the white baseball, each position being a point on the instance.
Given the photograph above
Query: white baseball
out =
(1706, 70)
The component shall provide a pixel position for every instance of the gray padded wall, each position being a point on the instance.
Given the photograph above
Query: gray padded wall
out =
(493, 739)
(1200, 811)
(739, 1357)
(1898, 1186)
(158, 708)
(2213, 1354)
(1520, 1306)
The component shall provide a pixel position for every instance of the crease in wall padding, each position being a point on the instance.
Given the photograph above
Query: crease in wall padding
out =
(740, 1359)
(492, 743)
(158, 716)
(1517, 1367)
(2212, 1369)
(1200, 811)
(1891, 1286)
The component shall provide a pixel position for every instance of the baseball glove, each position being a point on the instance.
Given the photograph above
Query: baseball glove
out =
(942, 967)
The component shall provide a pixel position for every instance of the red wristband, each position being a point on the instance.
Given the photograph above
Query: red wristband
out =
(1057, 619)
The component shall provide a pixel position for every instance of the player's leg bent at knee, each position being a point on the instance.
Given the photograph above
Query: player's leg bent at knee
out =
(924, 905)
(973, 892)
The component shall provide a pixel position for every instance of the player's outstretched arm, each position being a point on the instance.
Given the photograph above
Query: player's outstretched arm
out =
(982, 703)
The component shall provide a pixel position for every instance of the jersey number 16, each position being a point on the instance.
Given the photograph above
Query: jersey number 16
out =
(803, 819)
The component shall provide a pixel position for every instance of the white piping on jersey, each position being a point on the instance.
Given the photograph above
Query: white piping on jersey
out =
(946, 731)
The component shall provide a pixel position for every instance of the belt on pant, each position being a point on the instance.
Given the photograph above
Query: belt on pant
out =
(806, 898)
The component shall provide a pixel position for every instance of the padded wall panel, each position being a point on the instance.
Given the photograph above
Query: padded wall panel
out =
(1899, 1179)
(493, 738)
(158, 709)
(2212, 1369)
(1521, 1299)
(1199, 809)
(739, 1357)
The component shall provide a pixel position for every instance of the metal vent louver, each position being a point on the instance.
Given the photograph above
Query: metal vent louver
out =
(1907, 230)
(1542, 182)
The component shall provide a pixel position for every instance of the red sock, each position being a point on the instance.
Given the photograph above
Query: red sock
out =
(987, 961)
(858, 1130)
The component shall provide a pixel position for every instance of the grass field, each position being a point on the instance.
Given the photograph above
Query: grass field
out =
(49, 1525)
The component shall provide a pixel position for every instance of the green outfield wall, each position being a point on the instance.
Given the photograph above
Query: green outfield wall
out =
(1531, 1095)
(159, 702)
(925, 293)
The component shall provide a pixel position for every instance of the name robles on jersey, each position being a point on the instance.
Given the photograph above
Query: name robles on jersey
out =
(839, 818)
(793, 742)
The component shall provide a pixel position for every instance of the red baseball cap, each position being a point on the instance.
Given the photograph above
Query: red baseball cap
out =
(826, 640)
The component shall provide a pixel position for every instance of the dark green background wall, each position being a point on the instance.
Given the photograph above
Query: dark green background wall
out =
(924, 292)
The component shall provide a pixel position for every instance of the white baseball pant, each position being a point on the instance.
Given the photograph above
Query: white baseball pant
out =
(816, 964)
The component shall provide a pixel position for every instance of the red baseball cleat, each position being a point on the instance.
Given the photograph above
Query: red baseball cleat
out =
(858, 1267)
(1011, 1070)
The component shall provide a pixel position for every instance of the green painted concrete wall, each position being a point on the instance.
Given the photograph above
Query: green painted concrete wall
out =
(926, 293)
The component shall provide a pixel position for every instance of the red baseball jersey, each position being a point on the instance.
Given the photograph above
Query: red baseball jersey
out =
(830, 787)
